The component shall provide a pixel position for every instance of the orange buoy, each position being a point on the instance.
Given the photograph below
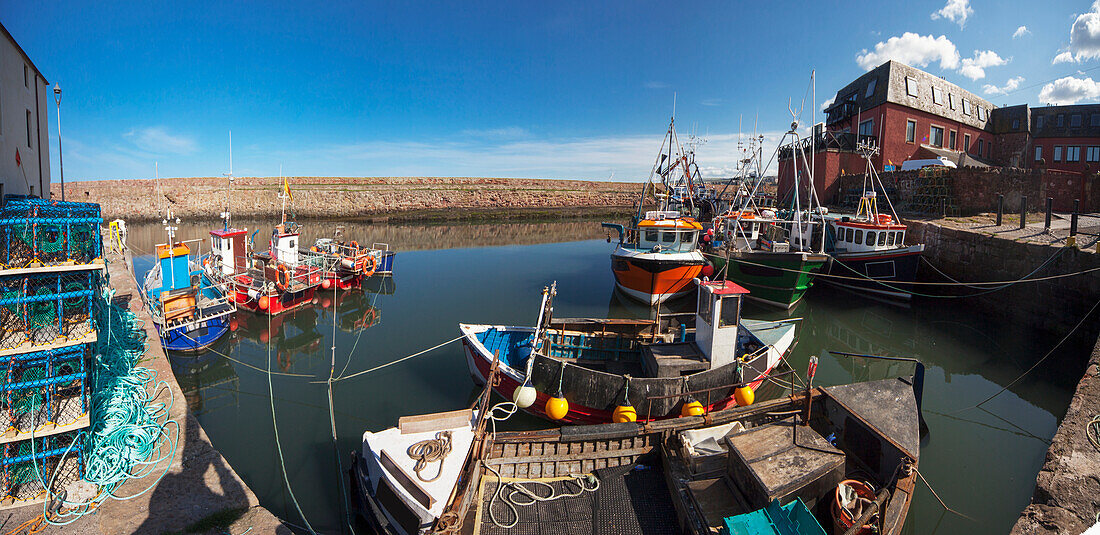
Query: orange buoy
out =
(744, 396)
(557, 407)
(233, 324)
(262, 302)
(326, 284)
(692, 408)
(623, 414)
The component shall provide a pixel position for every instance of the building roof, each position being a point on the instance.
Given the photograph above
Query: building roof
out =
(961, 159)
(907, 86)
(21, 51)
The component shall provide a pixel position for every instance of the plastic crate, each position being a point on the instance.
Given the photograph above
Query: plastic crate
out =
(33, 231)
(28, 466)
(793, 518)
(43, 390)
(42, 309)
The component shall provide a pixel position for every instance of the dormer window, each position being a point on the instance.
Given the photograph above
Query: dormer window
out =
(870, 88)
(966, 107)
(911, 87)
(937, 96)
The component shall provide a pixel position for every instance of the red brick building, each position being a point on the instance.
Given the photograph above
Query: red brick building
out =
(911, 114)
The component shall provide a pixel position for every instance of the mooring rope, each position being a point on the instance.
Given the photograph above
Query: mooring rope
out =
(517, 489)
(392, 362)
(429, 451)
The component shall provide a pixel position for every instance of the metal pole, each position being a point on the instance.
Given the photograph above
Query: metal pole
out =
(60, 155)
(1050, 208)
(1000, 208)
(1073, 217)
(1023, 211)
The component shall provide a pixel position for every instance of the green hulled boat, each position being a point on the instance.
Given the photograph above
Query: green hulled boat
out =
(777, 279)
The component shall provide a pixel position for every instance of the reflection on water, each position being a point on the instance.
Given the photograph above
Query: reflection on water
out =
(982, 461)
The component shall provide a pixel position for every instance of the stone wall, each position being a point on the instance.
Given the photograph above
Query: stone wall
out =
(1055, 306)
(973, 190)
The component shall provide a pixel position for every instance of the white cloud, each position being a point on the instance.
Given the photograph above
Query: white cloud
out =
(1011, 85)
(157, 140)
(1069, 90)
(912, 49)
(828, 103)
(974, 67)
(711, 102)
(1064, 57)
(1084, 35)
(1020, 32)
(511, 132)
(955, 11)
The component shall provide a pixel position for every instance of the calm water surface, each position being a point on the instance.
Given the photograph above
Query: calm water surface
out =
(982, 462)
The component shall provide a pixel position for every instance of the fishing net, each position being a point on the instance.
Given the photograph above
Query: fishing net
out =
(32, 230)
(45, 387)
(28, 463)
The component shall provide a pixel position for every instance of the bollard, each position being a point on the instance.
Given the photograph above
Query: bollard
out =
(1050, 208)
(1000, 208)
(1023, 211)
(1071, 241)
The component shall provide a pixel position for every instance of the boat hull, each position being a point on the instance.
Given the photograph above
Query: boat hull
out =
(776, 279)
(653, 278)
(882, 273)
(277, 302)
(195, 339)
(593, 394)
(385, 263)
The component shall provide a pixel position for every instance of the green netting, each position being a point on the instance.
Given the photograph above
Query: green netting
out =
(42, 313)
(78, 302)
(51, 239)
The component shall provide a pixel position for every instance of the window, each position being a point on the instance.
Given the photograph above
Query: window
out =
(26, 76)
(936, 137)
(668, 237)
(651, 236)
(867, 128)
(937, 96)
(981, 146)
(951, 100)
(953, 137)
(1075, 120)
(859, 236)
(1057, 153)
(911, 87)
(870, 88)
(966, 143)
(29, 129)
(910, 131)
(1015, 124)
(966, 107)
(1073, 154)
(981, 113)
(1061, 119)
(1094, 120)
(901, 237)
(870, 237)
(1092, 154)
(1038, 153)
(881, 239)
(1039, 122)
(706, 312)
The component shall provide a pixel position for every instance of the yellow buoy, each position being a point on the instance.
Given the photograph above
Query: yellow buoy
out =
(744, 396)
(692, 408)
(557, 407)
(624, 413)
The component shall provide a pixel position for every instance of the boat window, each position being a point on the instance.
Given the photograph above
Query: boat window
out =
(668, 237)
(848, 235)
(881, 239)
(704, 310)
(870, 237)
(651, 235)
(687, 242)
(729, 312)
(901, 237)
(890, 237)
(859, 237)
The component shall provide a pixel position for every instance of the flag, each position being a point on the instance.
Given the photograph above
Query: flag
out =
(18, 160)
(286, 189)
(891, 162)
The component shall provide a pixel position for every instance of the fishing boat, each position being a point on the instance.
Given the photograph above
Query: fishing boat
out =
(658, 258)
(190, 312)
(844, 457)
(343, 265)
(867, 250)
(587, 370)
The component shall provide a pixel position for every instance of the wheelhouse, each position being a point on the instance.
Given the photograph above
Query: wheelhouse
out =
(667, 232)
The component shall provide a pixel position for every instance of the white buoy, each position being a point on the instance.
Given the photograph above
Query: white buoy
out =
(525, 395)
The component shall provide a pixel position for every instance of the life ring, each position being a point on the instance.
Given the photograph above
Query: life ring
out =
(354, 245)
(370, 266)
(282, 277)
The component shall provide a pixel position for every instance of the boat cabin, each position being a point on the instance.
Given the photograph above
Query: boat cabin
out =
(284, 244)
(228, 246)
(739, 230)
(868, 230)
(175, 289)
(667, 232)
(717, 321)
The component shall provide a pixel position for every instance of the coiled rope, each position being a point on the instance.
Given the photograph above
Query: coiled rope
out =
(429, 451)
(519, 495)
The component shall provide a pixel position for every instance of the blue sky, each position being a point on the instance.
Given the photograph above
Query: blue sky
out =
(523, 89)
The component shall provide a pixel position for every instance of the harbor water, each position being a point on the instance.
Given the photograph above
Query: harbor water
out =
(981, 461)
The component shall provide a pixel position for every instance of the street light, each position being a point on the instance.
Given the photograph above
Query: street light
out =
(60, 158)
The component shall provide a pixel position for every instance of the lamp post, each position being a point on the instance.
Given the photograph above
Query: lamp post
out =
(60, 157)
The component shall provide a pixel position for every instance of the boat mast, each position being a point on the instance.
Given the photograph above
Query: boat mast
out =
(228, 190)
(282, 195)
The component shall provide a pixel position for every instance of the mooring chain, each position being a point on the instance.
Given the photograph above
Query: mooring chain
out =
(430, 451)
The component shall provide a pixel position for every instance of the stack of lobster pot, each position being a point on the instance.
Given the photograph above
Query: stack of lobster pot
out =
(51, 276)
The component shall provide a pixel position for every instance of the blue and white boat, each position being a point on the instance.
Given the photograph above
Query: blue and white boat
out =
(189, 311)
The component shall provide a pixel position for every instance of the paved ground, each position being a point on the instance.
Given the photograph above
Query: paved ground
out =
(200, 482)
(1088, 228)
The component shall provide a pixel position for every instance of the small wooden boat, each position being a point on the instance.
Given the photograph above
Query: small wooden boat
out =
(593, 367)
(843, 456)
(190, 311)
